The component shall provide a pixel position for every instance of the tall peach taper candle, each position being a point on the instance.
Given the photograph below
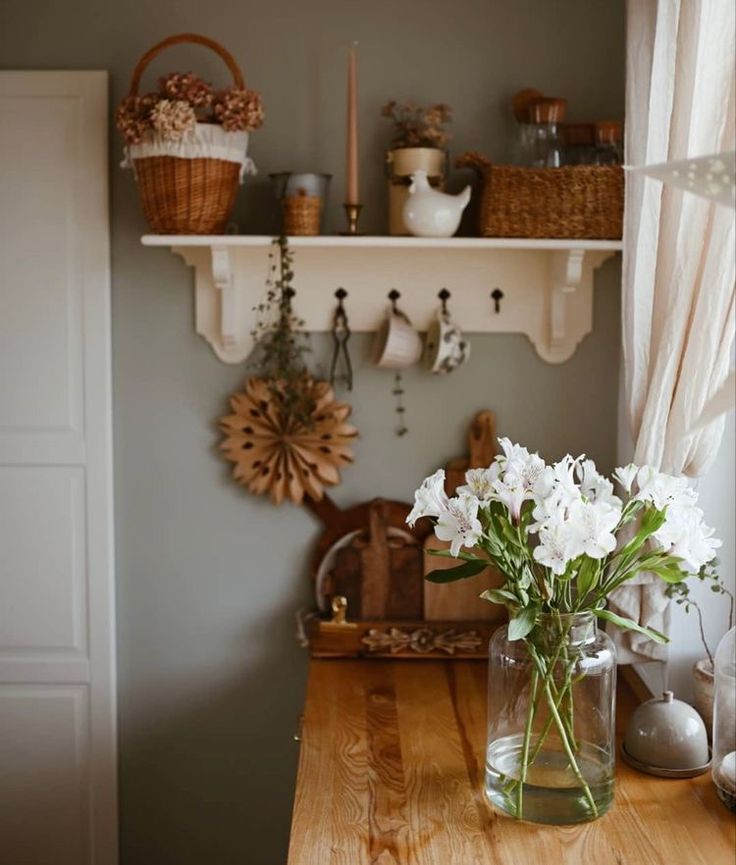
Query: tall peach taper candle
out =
(352, 194)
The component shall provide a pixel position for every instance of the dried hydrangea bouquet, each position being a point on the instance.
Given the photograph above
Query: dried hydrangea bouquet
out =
(562, 541)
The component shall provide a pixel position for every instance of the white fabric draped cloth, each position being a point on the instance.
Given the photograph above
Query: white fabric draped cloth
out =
(678, 266)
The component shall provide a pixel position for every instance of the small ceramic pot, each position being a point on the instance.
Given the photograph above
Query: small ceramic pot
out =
(703, 692)
(397, 344)
(446, 347)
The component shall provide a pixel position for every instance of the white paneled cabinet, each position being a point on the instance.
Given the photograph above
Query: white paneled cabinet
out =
(57, 683)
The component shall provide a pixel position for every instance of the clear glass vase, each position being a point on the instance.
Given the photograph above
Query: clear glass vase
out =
(724, 720)
(551, 714)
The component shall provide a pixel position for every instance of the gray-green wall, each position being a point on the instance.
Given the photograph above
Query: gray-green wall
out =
(209, 579)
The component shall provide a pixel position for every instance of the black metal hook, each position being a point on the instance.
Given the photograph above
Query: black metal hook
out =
(393, 296)
(444, 296)
(497, 297)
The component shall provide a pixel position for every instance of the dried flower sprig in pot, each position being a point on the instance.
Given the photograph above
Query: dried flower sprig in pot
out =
(415, 126)
(418, 144)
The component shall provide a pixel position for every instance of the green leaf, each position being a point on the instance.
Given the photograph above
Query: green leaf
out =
(523, 622)
(631, 625)
(652, 520)
(668, 573)
(510, 533)
(587, 576)
(500, 596)
(461, 572)
(467, 557)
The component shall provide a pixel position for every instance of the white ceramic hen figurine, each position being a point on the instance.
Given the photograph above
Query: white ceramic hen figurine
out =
(429, 213)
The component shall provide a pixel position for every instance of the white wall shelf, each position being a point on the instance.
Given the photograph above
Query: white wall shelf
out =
(547, 285)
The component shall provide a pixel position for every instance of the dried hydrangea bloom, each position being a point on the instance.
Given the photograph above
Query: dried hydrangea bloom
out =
(172, 118)
(133, 116)
(238, 110)
(177, 85)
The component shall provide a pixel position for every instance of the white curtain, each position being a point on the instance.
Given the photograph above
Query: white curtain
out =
(678, 268)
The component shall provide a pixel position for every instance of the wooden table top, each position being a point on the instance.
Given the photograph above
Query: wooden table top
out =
(391, 773)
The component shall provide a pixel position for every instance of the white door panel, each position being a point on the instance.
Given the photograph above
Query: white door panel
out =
(44, 582)
(57, 705)
(45, 758)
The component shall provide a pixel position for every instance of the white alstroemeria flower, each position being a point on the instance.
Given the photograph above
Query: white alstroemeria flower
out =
(430, 500)
(594, 486)
(459, 523)
(625, 475)
(554, 550)
(591, 526)
(684, 534)
(512, 497)
(564, 489)
(524, 477)
(479, 482)
(512, 453)
(662, 490)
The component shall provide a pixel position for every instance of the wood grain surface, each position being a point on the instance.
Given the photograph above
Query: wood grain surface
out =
(391, 773)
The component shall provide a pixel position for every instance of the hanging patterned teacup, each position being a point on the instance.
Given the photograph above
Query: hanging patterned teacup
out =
(446, 347)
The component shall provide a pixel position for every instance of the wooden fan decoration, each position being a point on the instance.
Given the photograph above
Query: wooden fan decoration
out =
(276, 454)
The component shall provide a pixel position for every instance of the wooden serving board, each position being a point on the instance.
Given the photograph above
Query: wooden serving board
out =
(460, 601)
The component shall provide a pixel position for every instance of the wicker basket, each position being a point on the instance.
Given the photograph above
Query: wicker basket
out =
(302, 215)
(577, 201)
(187, 195)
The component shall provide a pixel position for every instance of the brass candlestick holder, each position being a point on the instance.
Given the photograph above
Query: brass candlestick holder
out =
(352, 213)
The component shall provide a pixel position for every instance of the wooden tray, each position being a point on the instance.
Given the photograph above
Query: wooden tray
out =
(400, 639)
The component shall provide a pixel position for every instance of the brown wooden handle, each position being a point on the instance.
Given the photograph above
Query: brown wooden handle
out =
(480, 163)
(191, 38)
(482, 440)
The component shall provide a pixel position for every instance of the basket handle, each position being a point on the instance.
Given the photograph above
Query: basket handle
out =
(192, 38)
(474, 160)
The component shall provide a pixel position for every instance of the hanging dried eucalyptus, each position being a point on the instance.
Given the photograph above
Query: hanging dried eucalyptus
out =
(281, 342)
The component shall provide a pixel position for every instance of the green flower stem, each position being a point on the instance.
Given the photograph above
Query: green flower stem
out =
(566, 689)
(568, 751)
(525, 748)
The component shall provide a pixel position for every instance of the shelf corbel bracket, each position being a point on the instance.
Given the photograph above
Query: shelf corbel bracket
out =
(224, 281)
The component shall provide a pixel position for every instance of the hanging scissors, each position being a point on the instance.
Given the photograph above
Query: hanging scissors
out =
(340, 337)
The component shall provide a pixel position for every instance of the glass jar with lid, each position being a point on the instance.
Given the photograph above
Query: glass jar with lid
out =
(579, 143)
(724, 720)
(546, 147)
(608, 143)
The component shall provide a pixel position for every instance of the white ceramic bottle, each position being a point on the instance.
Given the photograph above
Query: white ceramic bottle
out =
(429, 213)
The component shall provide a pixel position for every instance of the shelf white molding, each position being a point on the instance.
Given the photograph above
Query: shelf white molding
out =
(547, 285)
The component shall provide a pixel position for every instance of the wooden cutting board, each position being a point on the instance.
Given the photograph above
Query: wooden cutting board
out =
(380, 575)
(460, 601)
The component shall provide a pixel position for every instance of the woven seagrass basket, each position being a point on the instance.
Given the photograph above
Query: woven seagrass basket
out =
(577, 201)
(302, 214)
(187, 195)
